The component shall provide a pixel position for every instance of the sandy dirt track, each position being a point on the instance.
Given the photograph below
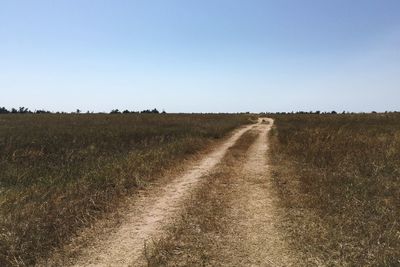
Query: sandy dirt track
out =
(150, 213)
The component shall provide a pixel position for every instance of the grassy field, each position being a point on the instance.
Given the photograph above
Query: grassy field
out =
(195, 239)
(339, 179)
(59, 173)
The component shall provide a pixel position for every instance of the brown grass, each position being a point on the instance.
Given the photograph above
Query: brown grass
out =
(195, 239)
(338, 177)
(58, 173)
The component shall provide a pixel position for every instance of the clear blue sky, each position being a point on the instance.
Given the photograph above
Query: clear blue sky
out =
(200, 56)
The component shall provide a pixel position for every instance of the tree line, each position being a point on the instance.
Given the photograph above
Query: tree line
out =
(24, 110)
(153, 111)
(21, 110)
(323, 112)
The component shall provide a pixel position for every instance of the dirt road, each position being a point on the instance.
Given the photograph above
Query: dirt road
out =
(253, 212)
(150, 213)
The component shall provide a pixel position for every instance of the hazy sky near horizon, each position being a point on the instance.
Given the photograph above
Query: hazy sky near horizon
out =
(200, 56)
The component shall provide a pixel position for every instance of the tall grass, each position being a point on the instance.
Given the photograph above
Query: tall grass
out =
(58, 173)
(339, 178)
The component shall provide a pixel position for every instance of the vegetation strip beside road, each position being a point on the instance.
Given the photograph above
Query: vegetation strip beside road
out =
(338, 179)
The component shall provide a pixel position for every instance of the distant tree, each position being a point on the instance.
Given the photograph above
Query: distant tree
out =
(126, 111)
(3, 110)
(333, 112)
(23, 110)
(373, 112)
(115, 111)
(39, 111)
(163, 112)
(13, 110)
(154, 111)
(78, 111)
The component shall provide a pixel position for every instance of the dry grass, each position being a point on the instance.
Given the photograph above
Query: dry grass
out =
(59, 173)
(196, 238)
(339, 179)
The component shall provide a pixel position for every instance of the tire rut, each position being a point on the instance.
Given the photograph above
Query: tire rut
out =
(256, 213)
